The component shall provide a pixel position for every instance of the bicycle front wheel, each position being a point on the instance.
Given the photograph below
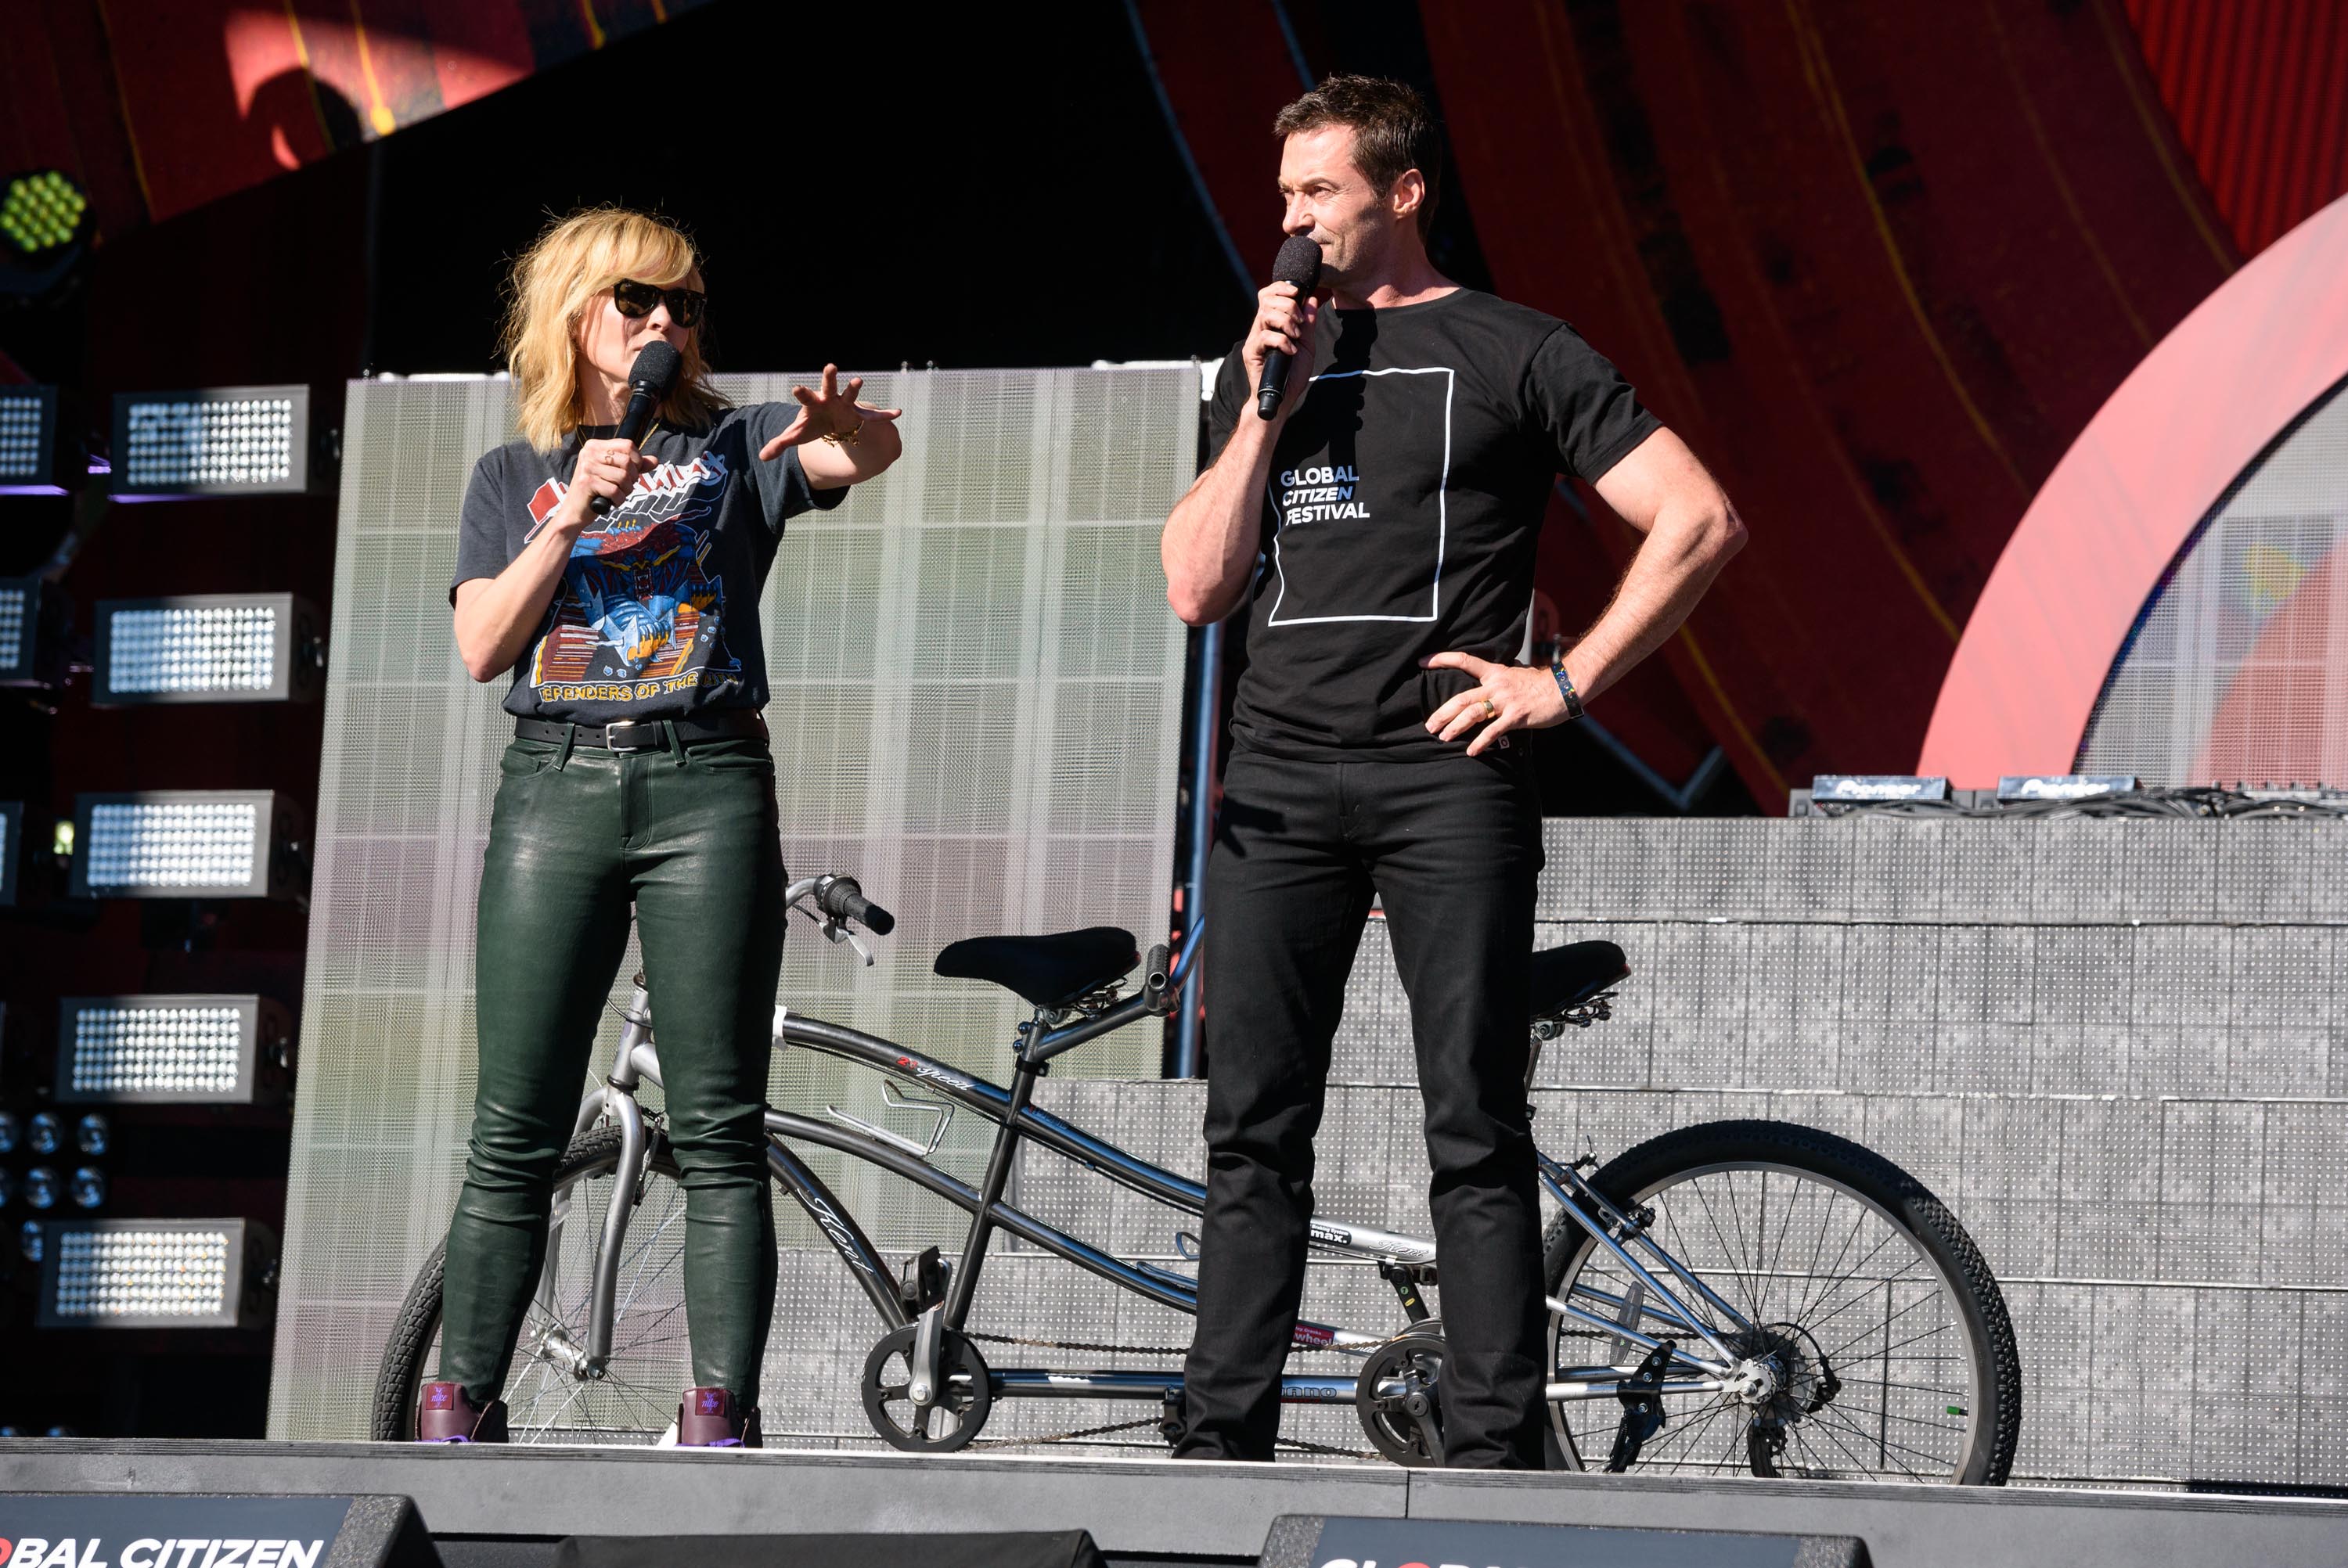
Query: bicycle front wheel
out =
(552, 1394)
(1874, 1344)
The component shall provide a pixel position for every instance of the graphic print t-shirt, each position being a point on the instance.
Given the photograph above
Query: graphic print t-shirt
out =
(1403, 509)
(657, 613)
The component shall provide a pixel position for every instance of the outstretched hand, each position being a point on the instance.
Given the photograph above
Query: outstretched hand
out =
(830, 409)
(1520, 697)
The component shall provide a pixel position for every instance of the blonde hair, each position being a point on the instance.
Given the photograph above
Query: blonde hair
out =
(555, 282)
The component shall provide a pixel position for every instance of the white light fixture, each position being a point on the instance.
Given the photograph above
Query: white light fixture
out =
(35, 620)
(171, 1050)
(12, 851)
(151, 1274)
(218, 441)
(208, 648)
(28, 431)
(184, 844)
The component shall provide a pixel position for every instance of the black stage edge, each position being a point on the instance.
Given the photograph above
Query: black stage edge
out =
(505, 1508)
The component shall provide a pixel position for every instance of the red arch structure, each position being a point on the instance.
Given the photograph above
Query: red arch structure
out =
(2128, 497)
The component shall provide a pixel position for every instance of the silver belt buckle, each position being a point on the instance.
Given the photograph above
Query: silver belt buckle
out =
(613, 741)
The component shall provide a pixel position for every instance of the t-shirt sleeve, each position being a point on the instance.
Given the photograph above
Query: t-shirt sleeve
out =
(1231, 400)
(482, 526)
(783, 489)
(1581, 406)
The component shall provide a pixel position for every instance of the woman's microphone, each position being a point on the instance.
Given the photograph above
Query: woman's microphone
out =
(649, 381)
(1298, 262)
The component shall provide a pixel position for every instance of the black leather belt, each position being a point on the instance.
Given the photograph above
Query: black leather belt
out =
(647, 734)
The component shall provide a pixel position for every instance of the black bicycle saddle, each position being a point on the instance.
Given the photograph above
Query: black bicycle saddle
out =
(1047, 970)
(1567, 977)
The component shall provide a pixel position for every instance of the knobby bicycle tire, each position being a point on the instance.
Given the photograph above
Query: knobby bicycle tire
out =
(1680, 1155)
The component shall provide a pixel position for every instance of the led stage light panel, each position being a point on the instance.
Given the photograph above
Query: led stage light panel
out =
(170, 1049)
(217, 441)
(207, 648)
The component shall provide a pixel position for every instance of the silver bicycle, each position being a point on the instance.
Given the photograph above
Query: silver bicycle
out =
(1741, 1296)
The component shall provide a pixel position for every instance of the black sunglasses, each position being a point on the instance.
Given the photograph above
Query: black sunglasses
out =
(632, 299)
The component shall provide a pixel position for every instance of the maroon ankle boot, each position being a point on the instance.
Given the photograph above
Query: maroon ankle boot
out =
(444, 1415)
(710, 1418)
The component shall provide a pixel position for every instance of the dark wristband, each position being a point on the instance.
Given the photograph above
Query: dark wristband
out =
(1573, 708)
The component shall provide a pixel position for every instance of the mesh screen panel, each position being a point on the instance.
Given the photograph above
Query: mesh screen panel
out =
(2117, 1051)
(2240, 671)
(975, 712)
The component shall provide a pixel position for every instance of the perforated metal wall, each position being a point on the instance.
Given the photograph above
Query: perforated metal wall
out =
(975, 711)
(2239, 670)
(2117, 1050)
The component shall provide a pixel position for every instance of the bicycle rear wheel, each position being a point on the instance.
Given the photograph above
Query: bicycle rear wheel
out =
(549, 1397)
(1879, 1326)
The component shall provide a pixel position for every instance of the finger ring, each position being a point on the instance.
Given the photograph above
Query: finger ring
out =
(1489, 710)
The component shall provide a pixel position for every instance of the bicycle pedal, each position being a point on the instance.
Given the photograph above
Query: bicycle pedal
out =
(923, 1281)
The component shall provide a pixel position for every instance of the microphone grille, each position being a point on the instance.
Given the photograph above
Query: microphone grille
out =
(656, 367)
(1298, 262)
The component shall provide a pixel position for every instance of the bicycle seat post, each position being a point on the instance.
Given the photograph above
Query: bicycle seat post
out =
(1026, 1069)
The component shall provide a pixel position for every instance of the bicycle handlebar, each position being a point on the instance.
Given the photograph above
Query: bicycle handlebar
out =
(841, 898)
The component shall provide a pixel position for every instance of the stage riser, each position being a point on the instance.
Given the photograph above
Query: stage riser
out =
(1201, 1511)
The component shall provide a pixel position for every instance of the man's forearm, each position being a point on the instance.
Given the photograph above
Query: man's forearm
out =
(1680, 556)
(1211, 538)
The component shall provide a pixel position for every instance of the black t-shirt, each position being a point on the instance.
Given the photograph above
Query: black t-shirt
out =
(657, 614)
(1403, 510)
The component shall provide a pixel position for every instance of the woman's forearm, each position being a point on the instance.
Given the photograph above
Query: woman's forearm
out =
(829, 464)
(497, 616)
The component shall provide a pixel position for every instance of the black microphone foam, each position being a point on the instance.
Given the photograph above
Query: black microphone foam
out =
(649, 380)
(1298, 262)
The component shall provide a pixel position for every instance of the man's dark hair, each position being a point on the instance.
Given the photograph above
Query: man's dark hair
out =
(1393, 128)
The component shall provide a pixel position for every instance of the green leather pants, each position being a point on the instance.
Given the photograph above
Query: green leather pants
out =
(689, 835)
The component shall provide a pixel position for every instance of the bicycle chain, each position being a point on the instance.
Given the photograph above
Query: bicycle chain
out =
(1298, 1444)
(1111, 1349)
(1078, 1344)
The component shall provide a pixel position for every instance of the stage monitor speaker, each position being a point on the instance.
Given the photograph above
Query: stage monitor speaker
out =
(1019, 1549)
(131, 1531)
(1312, 1540)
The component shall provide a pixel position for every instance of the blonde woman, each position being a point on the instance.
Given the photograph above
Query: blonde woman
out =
(638, 775)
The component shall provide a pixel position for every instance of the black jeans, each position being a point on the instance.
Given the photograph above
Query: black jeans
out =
(1452, 848)
(690, 836)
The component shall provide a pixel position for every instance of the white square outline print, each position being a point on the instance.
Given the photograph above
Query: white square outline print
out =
(1442, 510)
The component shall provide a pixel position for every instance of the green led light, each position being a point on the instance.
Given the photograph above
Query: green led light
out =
(41, 211)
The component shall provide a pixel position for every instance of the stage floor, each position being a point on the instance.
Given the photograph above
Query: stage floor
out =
(1154, 1509)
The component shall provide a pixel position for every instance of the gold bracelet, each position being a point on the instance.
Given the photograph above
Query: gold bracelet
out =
(855, 434)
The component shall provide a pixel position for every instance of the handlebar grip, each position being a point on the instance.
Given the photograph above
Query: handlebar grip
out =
(842, 899)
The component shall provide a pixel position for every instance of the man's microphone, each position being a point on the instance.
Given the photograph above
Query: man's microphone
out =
(649, 381)
(1298, 262)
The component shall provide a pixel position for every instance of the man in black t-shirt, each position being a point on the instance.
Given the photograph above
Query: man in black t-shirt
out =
(1381, 529)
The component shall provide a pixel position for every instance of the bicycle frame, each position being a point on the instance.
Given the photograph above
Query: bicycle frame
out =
(1401, 1258)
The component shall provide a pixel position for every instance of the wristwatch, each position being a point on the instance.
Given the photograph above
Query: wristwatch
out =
(1573, 708)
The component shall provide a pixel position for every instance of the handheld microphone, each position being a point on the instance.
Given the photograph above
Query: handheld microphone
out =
(1298, 262)
(649, 380)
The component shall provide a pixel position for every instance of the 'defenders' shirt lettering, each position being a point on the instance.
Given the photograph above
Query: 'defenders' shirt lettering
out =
(1403, 510)
(656, 615)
